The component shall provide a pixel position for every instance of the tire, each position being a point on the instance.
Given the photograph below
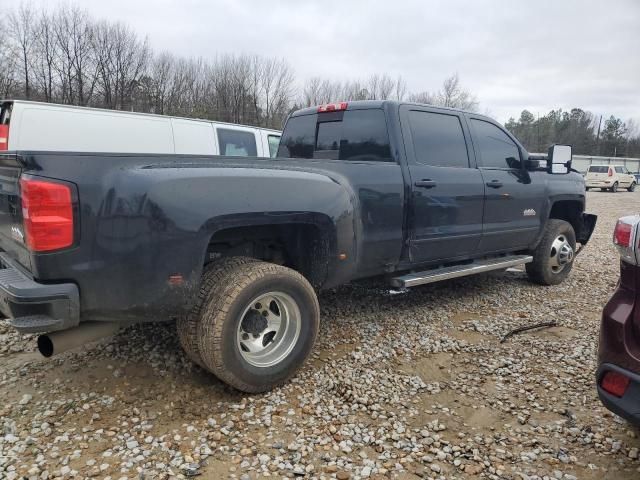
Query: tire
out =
(632, 187)
(187, 325)
(262, 359)
(552, 261)
(614, 187)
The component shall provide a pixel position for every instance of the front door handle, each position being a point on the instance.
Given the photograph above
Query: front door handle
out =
(426, 183)
(494, 184)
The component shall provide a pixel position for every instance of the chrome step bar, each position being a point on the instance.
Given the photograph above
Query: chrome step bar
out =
(445, 273)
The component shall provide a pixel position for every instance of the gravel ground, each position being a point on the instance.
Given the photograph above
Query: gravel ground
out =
(413, 385)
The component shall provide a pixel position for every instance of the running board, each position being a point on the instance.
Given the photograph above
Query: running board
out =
(445, 273)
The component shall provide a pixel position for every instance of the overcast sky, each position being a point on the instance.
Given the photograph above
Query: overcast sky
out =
(538, 54)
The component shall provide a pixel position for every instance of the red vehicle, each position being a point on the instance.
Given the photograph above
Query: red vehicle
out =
(618, 376)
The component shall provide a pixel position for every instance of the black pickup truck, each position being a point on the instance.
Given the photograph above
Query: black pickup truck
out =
(235, 248)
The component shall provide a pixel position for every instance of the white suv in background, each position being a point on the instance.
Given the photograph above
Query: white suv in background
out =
(610, 177)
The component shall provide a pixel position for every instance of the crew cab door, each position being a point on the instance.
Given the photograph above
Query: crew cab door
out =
(514, 197)
(447, 191)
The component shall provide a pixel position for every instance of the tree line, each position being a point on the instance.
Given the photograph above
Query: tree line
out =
(65, 55)
(588, 134)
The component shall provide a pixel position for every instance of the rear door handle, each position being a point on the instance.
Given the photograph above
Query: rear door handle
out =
(494, 184)
(426, 183)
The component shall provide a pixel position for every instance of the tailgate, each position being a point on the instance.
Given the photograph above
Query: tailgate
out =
(11, 227)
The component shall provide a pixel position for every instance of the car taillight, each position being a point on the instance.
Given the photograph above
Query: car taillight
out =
(622, 233)
(333, 107)
(615, 383)
(4, 137)
(47, 211)
(610, 172)
(627, 239)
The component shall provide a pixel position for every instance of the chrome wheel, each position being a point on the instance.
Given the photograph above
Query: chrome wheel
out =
(269, 329)
(561, 254)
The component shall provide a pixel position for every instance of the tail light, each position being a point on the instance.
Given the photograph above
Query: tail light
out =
(615, 383)
(610, 174)
(47, 211)
(333, 107)
(4, 137)
(626, 239)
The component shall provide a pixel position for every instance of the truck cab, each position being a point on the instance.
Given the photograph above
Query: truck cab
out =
(471, 190)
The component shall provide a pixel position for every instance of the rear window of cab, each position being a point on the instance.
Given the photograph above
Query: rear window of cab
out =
(351, 135)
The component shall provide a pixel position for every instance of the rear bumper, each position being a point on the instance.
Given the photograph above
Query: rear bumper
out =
(598, 184)
(33, 307)
(619, 344)
(628, 407)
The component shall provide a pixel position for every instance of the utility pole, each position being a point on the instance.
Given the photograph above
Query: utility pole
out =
(598, 136)
(538, 149)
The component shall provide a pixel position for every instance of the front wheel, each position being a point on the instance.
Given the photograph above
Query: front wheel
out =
(257, 325)
(553, 257)
(632, 187)
(614, 188)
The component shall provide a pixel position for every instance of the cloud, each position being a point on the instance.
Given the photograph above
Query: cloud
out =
(537, 55)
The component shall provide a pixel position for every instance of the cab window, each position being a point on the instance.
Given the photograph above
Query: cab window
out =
(438, 139)
(274, 143)
(497, 150)
(236, 143)
(351, 135)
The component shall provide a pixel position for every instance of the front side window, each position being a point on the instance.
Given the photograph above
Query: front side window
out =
(619, 170)
(236, 143)
(351, 135)
(438, 139)
(274, 142)
(497, 150)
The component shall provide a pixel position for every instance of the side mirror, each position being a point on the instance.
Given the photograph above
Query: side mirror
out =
(559, 159)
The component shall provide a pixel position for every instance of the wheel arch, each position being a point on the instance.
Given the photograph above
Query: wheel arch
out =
(569, 210)
(305, 242)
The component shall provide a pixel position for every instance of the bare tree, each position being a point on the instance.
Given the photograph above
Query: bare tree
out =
(451, 95)
(21, 22)
(8, 77)
(454, 96)
(276, 90)
(122, 60)
(46, 56)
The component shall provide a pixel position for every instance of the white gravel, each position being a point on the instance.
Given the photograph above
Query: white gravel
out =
(413, 385)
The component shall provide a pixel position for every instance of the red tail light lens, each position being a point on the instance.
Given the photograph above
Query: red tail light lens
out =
(333, 107)
(4, 137)
(610, 172)
(614, 383)
(47, 211)
(622, 234)
(626, 238)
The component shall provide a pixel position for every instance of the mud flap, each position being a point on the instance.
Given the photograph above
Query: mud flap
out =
(587, 225)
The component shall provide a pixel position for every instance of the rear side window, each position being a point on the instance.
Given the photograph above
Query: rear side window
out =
(438, 139)
(236, 143)
(352, 135)
(274, 143)
(497, 150)
(598, 169)
(619, 170)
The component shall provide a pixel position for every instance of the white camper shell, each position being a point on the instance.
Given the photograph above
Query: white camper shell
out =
(26, 125)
